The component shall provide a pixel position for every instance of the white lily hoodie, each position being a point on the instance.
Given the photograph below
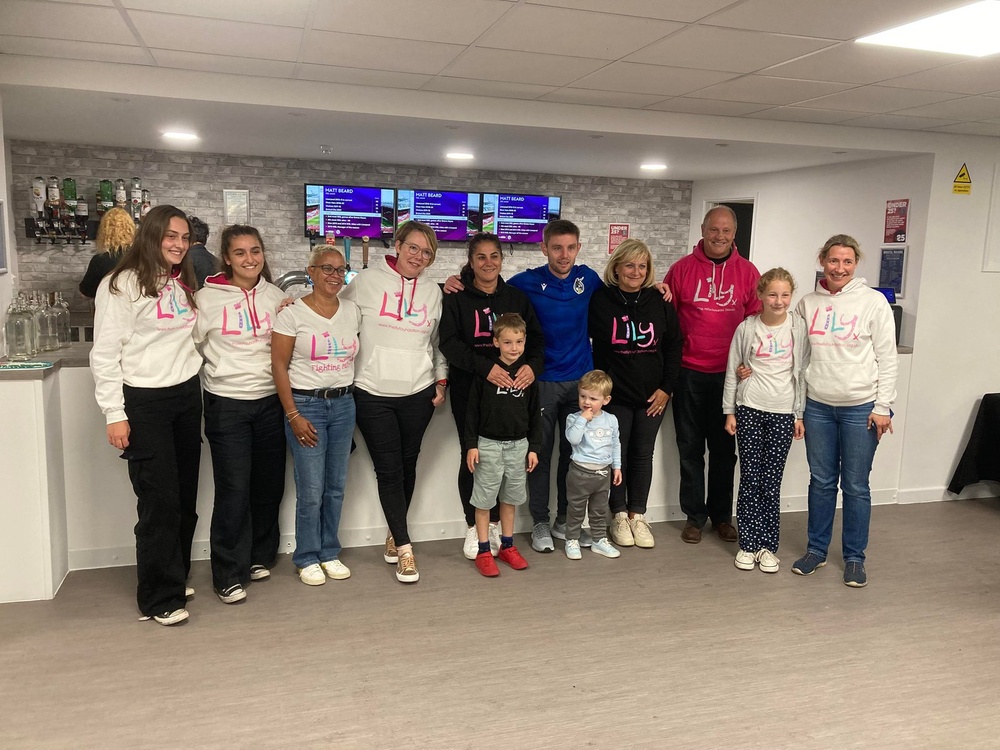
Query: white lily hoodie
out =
(145, 342)
(852, 342)
(233, 333)
(398, 354)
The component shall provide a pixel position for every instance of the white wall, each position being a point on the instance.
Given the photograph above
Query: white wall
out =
(6, 279)
(949, 304)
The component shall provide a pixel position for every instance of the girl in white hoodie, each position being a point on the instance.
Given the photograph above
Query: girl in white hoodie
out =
(145, 367)
(243, 418)
(400, 377)
(850, 385)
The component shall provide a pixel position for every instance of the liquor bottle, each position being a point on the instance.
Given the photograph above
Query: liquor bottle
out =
(52, 191)
(135, 198)
(105, 197)
(82, 211)
(145, 204)
(38, 196)
(121, 197)
(69, 199)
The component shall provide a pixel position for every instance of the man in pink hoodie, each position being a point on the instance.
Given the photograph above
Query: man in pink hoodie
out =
(713, 289)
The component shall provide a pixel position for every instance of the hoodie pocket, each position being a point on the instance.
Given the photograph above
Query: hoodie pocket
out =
(397, 372)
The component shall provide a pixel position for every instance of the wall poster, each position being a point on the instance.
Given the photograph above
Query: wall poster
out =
(617, 234)
(895, 220)
(892, 269)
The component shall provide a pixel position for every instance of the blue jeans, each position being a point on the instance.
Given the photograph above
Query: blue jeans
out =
(840, 449)
(320, 476)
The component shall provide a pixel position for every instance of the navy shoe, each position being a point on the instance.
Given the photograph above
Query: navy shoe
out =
(807, 564)
(854, 575)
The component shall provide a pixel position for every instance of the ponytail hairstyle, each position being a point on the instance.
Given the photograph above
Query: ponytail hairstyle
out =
(229, 234)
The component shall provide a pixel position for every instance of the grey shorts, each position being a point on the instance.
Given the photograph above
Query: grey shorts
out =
(501, 473)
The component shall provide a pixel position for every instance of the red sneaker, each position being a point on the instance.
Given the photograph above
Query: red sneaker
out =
(487, 565)
(513, 558)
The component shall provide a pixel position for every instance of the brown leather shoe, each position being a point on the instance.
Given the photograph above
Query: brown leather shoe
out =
(691, 534)
(726, 532)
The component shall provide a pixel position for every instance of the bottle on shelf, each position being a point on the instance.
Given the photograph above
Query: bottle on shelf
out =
(121, 194)
(69, 199)
(48, 336)
(17, 331)
(135, 198)
(52, 194)
(63, 321)
(145, 203)
(105, 197)
(38, 196)
(37, 313)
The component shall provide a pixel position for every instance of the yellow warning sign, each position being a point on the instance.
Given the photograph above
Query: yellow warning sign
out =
(962, 184)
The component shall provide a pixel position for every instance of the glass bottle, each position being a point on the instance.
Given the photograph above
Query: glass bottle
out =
(145, 203)
(17, 331)
(105, 197)
(61, 307)
(37, 311)
(135, 198)
(52, 191)
(48, 337)
(121, 196)
(38, 196)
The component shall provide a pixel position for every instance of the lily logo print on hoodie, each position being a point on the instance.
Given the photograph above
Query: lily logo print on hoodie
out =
(826, 322)
(172, 304)
(236, 321)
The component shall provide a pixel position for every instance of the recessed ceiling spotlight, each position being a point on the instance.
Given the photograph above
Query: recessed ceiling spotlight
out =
(177, 135)
(967, 31)
(324, 149)
(460, 155)
(653, 166)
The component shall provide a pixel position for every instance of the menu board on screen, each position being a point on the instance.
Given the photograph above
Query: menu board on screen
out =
(454, 217)
(518, 218)
(343, 211)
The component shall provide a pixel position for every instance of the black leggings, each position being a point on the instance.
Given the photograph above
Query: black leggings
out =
(637, 433)
(393, 428)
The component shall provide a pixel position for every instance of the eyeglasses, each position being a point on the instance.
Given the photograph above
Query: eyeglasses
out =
(412, 249)
(329, 270)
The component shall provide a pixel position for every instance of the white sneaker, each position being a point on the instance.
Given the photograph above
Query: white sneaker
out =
(641, 532)
(621, 531)
(471, 547)
(494, 536)
(573, 549)
(604, 547)
(767, 562)
(336, 570)
(312, 575)
(188, 592)
(745, 560)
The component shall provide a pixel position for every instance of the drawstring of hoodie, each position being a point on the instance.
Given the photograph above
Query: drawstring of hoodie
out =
(251, 300)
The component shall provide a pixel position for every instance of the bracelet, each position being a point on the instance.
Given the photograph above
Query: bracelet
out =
(292, 415)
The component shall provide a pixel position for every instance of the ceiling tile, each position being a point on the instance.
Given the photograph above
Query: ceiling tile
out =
(521, 67)
(50, 21)
(362, 76)
(845, 19)
(501, 89)
(977, 76)
(536, 28)
(707, 107)
(967, 108)
(222, 37)
(860, 63)
(769, 90)
(115, 53)
(730, 49)
(244, 66)
(972, 128)
(601, 98)
(876, 99)
(451, 21)
(686, 11)
(803, 114)
(900, 122)
(358, 51)
(284, 13)
(650, 79)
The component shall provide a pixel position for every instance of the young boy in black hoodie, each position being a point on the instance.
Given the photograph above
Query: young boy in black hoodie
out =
(505, 425)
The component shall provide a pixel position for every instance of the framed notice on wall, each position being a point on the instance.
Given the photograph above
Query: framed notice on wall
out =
(235, 207)
(617, 234)
(896, 218)
(892, 269)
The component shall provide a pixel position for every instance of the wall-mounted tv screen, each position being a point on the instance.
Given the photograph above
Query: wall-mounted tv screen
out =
(454, 217)
(344, 211)
(518, 218)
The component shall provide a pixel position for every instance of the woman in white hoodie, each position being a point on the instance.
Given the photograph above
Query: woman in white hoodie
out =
(145, 368)
(401, 375)
(850, 385)
(243, 419)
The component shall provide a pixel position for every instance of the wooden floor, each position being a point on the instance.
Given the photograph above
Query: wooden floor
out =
(665, 648)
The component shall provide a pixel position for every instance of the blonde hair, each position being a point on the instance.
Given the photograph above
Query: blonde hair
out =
(319, 251)
(840, 240)
(415, 226)
(630, 251)
(509, 322)
(775, 274)
(596, 380)
(116, 231)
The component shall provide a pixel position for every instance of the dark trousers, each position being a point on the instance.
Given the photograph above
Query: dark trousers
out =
(698, 420)
(460, 388)
(637, 433)
(393, 428)
(163, 455)
(247, 439)
(557, 401)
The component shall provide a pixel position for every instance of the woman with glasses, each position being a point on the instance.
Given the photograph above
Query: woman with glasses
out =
(313, 346)
(243, 420)
(402, 375)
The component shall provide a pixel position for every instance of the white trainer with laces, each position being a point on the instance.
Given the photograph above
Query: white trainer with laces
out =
(336, 570)
(494, 536)
(471, 546)
(767, 562)
(312, 575)
(605, 548)
(745, 560)
(573, 549)
(641, 532)
(621, 530)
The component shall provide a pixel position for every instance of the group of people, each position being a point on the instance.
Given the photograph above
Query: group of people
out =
(380, 353)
